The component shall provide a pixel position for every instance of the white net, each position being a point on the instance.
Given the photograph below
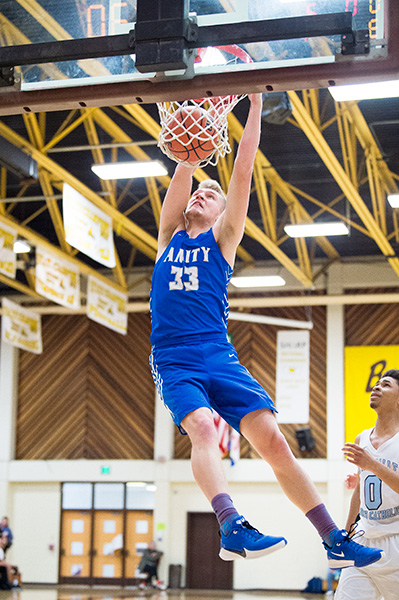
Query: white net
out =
(196, 131)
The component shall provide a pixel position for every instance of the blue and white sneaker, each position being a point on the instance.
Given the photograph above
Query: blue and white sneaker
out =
(344, 552)
(240, 540)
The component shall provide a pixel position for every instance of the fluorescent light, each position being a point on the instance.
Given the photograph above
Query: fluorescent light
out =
(316, 229)
(258, 281)
(393, 200)
(129, 170)
(365, 91)
(140, 484)
(20, 246)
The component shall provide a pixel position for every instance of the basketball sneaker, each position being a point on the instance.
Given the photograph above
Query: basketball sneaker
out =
(344, 552)
(240, 540)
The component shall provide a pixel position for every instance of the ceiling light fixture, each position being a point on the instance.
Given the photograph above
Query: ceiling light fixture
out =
(393, 200)
(21, 247)
(258, 281)
(129, 170)
(365, 91)
(316, 229)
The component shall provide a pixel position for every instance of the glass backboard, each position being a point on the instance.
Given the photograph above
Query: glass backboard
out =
(42, 21)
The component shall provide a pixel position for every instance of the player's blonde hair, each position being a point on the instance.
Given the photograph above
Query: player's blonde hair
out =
(212, 184)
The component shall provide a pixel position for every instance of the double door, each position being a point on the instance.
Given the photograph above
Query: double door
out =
(103, 546)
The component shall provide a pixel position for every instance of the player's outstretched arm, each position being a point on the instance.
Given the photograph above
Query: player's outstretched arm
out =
(173, 206)
(230, 228)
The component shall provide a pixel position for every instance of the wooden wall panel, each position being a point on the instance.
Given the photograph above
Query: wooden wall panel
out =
(371, 324)
(256, 347)
(89, 395)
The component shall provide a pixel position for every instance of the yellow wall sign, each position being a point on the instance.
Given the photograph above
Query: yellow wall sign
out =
(364, 365)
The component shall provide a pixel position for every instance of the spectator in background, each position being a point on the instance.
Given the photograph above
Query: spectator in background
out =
(6, 532)
(8, 572)
(149, 565)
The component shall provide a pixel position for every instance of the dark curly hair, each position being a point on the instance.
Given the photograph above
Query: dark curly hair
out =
(394, 373)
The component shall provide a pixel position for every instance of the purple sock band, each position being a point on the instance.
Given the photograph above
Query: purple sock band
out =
(321, 520)
(223, 507)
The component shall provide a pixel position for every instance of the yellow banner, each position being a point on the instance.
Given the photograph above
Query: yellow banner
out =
(7, 254)
(87, 227)
(364, 366)
(21, 327)
(106, 305)
(57, 279)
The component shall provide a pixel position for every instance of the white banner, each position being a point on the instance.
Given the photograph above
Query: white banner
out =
(292, 376)
(21, 327)
(7, 254)
(87, 227)
(57, 279)
(106, 305)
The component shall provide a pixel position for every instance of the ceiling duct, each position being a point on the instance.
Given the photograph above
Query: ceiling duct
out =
(17, 161)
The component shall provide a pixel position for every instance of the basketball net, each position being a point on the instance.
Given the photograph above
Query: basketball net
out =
(214, 127)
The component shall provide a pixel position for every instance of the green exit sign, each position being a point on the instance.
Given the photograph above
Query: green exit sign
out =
(105, 470)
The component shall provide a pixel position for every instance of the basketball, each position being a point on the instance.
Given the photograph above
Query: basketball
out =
(190, 134)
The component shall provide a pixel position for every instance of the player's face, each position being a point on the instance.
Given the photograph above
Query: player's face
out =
(206, 202)
(385, 393)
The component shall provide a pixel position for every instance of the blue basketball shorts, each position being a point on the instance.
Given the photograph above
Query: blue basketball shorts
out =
(206, 374)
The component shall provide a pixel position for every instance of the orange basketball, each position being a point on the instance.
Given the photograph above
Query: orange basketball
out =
(190, 134)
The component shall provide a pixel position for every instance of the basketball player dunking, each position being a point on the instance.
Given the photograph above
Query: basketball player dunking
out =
(195, 368)
(376, 497)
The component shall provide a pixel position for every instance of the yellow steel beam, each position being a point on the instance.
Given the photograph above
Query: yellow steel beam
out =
(67, 130)
(269, 223)
(20, 287)
(256, 233)
(38, 240)
(55, 214)
(125, 228)
(319, 143)
(280, 186)
(3, 188)
(244, 255)
(224, 173)
(36, 139)
(97, 153)
(328, 208)
(155, 199)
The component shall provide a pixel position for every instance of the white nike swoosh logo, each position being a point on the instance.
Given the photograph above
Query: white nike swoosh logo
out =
(231, 355)
(337, 553)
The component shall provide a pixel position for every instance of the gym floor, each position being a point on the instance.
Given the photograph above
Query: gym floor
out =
(68, 593)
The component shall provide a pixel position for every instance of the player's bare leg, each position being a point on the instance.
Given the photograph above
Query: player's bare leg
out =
(238, 538)
(205, 454)
(261, 430)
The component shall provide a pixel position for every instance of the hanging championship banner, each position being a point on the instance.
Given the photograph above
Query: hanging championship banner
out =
(7, 254)
(57, 279)
(21, 327)
(292, 376)
(87, 227)
(106, 305)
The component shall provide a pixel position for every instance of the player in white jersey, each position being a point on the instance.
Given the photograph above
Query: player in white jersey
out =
(376, 497)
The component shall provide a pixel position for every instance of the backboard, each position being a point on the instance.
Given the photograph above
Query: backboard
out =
(296, 56)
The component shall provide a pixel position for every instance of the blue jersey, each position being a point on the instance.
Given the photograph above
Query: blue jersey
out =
(188, 297)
